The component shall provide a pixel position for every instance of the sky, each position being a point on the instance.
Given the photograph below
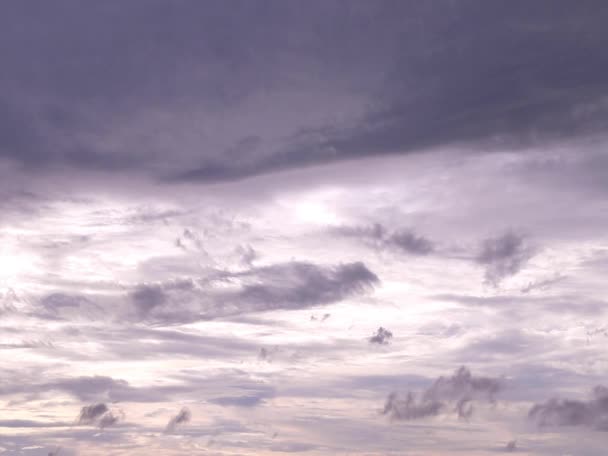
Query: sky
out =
(316, 227)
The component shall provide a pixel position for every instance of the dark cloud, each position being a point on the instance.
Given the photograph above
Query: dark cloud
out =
(379, 237)
(108, 419)
(91, 413)
(381, 337)
(464, 72)
(568, 412)
(409, 242)
(503, 256)
(184, 416)
(98, 415)
(410, 408)
(294, 285)
(300, 285)
(147, 297)
(461, 388)
(434, 73)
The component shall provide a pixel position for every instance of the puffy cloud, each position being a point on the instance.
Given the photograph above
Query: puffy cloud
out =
(97, 414)
(147, 297)
(461, 388)
(410, 408)
(503, 256)
(381, 337)
(569, 412)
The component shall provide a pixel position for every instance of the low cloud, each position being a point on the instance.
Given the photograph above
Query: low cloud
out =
(461, 389)
(184, 416)
(381, 337)
(97, 415)
(284, 286)
(147, 297)
(503, 256)
(592, 414)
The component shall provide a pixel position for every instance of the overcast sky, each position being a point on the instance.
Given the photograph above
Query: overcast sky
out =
(317, 227)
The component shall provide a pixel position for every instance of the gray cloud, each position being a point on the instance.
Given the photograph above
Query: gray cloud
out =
(91, 413)
(511, 446)
(461, 388)
(568, 412)
(147, 297)
(299, 285)
(238, 401)
(503, 256)
(410, 408)
(513, 305)
(449, 72)
(378, 236)
(184, 416)
(30, 424)
(294, 285)
(97, 414)
(501, 86)
(62, 306)
(381, 337)
(321, 318)
(247, 255)
(542, 285)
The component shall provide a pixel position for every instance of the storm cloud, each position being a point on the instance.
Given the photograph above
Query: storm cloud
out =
(272, 215)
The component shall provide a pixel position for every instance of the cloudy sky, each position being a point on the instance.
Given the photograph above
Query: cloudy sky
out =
(318, 227)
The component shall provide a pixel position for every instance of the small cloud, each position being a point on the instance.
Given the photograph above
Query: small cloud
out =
(321, 319)
(409, 242)
(184, 416)
(91, 413)
(247, 255)
(403, 240)
(503, 256)
(148, 297)
(381, 337)
(263, 354)
(542, 284)
(97, 415)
